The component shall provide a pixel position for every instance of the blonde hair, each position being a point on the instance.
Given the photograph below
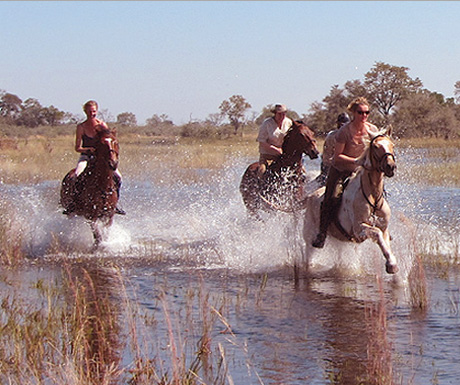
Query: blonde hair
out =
(90, 103)
(356, 102)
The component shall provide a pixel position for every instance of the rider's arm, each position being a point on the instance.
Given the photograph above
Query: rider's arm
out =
(342, 161)
(263, 139)
(270, 147)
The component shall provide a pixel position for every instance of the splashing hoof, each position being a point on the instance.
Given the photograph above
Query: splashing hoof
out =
(391, 269)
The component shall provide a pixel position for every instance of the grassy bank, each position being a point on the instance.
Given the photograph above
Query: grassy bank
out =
(37, 158)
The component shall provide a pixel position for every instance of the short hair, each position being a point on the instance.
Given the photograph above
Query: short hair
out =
(343, 118)
(90, 103)
(356, 102)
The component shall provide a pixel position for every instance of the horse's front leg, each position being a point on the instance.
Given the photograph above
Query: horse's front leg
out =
(382, 238)
(96, 234)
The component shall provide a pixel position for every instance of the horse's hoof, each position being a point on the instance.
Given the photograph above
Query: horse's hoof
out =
(391, 269)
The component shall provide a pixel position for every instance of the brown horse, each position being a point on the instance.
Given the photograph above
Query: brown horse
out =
(283, 178)
(93, 194)
(364, 212)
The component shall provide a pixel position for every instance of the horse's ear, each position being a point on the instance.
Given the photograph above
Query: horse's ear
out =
(113, 131)
(389, 130)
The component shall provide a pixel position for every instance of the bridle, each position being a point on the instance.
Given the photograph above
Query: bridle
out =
(380, 161)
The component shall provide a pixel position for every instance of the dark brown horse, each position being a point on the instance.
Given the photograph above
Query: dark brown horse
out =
(283, 178)
(93, 194)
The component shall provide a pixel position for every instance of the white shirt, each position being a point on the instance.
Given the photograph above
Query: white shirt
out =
(270, 133)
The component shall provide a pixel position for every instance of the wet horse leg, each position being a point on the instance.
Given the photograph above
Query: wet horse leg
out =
(383, 240)
(96, 234)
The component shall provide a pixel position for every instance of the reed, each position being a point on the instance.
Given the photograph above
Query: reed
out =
(418, 286)
(81, 327)
(379, 350)
(11, 251)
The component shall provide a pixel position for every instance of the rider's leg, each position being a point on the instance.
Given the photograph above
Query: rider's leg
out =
(117, 179)
(81, 165)
(328, 207)
(264, 161)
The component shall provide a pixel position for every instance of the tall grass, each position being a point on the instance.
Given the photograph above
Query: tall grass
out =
(379, 350)
(171, 158)
(82, 328)
(11, 253)
(39, 158)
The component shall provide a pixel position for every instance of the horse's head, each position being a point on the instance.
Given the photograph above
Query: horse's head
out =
(300, 139)
(380, 155)
(107, 148)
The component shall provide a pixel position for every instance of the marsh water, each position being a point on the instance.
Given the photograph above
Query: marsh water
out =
(276, 325)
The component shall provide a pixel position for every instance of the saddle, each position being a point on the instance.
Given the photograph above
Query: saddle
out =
(336, 202)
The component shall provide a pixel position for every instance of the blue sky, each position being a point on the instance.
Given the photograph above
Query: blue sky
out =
(183, 59)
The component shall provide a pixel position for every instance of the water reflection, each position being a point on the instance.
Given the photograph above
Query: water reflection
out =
(94, 290)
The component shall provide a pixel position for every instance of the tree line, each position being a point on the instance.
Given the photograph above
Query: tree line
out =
(395, 99)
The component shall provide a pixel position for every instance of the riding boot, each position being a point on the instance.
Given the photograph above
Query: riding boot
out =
(117, 181)
(324, 221)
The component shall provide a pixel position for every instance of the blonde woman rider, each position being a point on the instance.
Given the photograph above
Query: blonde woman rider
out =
(85, 143)
(350, 144)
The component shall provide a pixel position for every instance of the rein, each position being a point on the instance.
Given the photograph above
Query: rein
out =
(379, 168)
(375, 206)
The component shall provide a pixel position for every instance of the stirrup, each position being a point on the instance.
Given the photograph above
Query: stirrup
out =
(120, 211)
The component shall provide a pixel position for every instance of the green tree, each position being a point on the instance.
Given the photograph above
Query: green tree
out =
(159, 120)
(31, 114)
(215, 119)
(317, 118)
(457, 92)
(425, 114)
(52, 116)
(387, 85)
(10, 106)
(235, 109)
(127, 119)
(323, 115)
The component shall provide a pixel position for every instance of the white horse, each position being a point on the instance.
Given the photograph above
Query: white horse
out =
(364, 212)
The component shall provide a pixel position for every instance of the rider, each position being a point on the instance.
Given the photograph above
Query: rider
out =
(271, 134)
(350, 144)
(85, 145)
(329, 148)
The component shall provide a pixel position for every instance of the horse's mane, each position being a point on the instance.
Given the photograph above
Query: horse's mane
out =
(107, 132)
(297, 125)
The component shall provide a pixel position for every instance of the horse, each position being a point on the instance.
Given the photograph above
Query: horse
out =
(283, 177)
(93, 194)
(364, 213)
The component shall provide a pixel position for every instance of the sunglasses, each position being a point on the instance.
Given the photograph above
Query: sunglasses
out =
(363, 112)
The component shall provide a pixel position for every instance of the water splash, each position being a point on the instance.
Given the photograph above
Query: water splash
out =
(205, 224)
